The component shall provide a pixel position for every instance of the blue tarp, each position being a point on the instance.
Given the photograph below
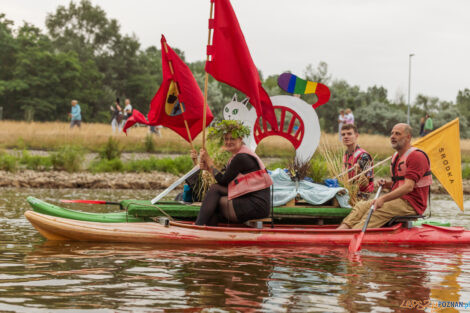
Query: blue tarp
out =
(285, 190)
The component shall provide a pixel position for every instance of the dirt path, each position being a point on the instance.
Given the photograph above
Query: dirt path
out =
(154, 180)
(59, 179)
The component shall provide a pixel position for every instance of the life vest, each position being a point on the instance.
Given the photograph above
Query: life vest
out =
(398, 176)
(351, 160)
(249, 182)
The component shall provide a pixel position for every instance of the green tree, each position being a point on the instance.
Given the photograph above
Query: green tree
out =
(36, 73)
(83, 28)
(378, 118)
(426, 103)
(463, 102)
(342, 96)
(38, 81)
(449, 114)
(271, 86)
(144, 83)
(376, 93)
(319, 75)
(8, 51)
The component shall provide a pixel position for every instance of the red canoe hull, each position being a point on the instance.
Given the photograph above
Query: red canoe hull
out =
(56, 228)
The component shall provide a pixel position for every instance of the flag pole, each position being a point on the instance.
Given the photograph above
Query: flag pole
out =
(206, 82)
(178, 92)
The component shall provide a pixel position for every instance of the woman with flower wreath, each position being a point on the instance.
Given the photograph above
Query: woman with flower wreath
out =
(242, 191)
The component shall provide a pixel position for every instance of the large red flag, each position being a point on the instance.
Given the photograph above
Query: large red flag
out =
(177, 89)
(230, 60)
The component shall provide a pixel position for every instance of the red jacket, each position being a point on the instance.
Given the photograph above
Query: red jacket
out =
(249, 182)
(351, 161)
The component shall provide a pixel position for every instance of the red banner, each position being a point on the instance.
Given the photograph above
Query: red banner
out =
(178, 99)
(230, 60)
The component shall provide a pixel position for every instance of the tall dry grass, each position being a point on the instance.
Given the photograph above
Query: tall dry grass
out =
(52, 135)
(91, 136)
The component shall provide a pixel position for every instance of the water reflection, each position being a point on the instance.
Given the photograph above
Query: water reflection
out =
(41, 276)
(245, 279)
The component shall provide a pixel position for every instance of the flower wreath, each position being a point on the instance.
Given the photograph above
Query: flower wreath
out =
(235, 128)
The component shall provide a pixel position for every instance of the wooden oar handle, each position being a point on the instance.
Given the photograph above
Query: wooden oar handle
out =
(90, 201)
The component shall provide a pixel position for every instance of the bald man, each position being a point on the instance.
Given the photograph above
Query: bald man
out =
(411, 178)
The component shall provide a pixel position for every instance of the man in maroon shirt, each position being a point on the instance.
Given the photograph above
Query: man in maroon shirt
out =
(409, 188)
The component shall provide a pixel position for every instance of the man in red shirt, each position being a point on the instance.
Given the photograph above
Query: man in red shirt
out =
(360, 159)
(411, 178)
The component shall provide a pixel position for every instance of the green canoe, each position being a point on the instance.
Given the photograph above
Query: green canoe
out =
(142, 210)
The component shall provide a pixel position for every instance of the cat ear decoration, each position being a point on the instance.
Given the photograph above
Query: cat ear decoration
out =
(245, 101)
(235, 97)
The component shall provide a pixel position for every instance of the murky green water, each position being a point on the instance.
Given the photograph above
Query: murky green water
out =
(40, 276)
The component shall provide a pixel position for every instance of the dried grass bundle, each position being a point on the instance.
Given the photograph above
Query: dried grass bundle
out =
(220, 158)
(205, 181)
(297, 169)
(333, 154)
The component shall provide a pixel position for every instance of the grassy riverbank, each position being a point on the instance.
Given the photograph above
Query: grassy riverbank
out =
(46, 148)
(51, 136)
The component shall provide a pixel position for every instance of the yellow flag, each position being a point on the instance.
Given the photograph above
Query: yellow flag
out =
(172, 103)
(443, 149)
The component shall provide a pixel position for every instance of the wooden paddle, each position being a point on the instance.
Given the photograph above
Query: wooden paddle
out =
(368, 169)
(356, 241)
(118, 203)
(91, 202)
(175, 184)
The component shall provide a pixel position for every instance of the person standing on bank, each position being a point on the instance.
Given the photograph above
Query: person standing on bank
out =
(355, 156)
(428, 126)
(127, 113)
(421, 126)
(411, 178)
(75, 114)
(349, 116)
(341, 120)
(242, 191)
(116, 115)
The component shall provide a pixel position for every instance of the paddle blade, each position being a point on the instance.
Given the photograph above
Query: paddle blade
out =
(85, 201)
(355, 244)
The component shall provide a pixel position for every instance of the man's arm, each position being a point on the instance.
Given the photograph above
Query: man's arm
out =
(404, 189)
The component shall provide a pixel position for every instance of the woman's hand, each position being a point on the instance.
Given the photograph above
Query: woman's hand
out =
(206, 162)
(194, 156)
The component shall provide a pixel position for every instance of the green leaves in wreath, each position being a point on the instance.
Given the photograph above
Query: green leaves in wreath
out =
(235, 128)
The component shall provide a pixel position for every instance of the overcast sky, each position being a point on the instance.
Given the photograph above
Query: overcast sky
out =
(365, 42)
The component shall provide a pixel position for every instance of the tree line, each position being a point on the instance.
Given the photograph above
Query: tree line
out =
(83, 55)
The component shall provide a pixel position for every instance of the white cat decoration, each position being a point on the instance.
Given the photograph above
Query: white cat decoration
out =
(297, 122)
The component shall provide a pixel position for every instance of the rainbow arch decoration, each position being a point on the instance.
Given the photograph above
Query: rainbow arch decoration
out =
(295, 85)
(297, 122)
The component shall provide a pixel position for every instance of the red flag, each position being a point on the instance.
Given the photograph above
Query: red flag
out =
(231, 61)
(177, 90)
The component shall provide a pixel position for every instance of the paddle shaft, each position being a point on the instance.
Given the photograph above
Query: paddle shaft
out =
(345, 172)
(368, 169)
(91, 202)
(175, 184)
(356, 242)
(371, 210)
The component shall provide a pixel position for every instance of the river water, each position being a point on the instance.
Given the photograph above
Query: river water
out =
(41, 276)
